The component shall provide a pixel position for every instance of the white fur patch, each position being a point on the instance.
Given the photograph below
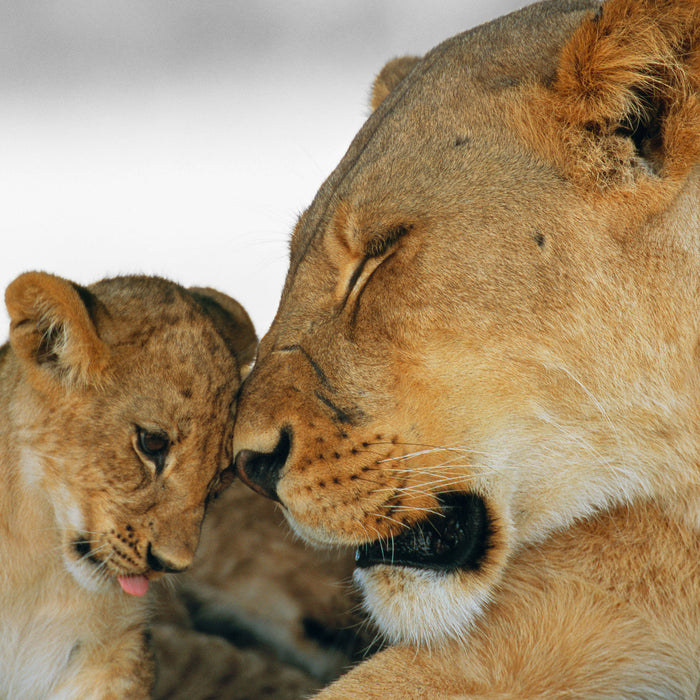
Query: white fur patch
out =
(420, 607)
(31, 467)
(34, 651)
(88, 576)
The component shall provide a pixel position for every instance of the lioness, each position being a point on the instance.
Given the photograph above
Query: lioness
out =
(116, 419)
(490, 327)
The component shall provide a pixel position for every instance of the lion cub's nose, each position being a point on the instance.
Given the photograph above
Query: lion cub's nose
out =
(261, 470)
(167, 563)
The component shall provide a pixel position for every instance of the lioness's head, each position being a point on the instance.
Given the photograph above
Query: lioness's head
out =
(121, 404)
(490, 321)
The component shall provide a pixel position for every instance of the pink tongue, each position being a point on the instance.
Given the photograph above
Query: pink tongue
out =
(134, 585)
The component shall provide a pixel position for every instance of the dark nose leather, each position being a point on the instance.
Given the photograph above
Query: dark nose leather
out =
(261, 470)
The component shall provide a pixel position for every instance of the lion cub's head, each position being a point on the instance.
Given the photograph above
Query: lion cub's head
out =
(120, 402)
(490, 324)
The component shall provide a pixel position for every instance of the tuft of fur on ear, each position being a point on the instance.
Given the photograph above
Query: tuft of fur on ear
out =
(232, 323)
(389, 77)
(625, 97)
(51, 330)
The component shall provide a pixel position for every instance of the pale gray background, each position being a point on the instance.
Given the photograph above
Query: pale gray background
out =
(183, 137)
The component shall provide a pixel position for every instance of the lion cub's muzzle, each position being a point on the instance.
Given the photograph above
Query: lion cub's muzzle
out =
(456, 536)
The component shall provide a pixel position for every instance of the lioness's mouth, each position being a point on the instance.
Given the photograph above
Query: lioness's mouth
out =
(455, 537)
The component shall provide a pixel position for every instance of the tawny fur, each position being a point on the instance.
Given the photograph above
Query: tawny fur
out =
(80, 504)
(497, 293)
(607, 609)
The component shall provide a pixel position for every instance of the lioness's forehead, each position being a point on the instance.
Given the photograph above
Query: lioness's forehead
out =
(443, 123)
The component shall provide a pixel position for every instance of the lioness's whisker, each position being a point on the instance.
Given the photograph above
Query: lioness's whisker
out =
(448, 472)
(357, 477)
(590, 395)
(421, 445)
(412, 509)
(427, 486)
(410, 455)
(393, 520)
(579, 440)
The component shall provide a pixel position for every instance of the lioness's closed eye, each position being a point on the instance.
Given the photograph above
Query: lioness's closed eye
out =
(116, 407)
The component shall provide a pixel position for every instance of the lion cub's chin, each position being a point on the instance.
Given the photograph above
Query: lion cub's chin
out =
(97, 578)
(89, 577)
(418, 606)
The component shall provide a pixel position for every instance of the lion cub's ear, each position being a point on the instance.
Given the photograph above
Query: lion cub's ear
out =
(389, 77)
(51, 330)
(232, 322)
(624, 100)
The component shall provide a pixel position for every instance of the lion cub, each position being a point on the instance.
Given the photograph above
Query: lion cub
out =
(115, 429)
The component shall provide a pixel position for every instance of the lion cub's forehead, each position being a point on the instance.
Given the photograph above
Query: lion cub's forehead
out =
(139, 310)
(134, 303)
(157, 332)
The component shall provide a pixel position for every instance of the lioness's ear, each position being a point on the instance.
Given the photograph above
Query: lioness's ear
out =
(389, 77)
(232, 322)
(625, 94)
(51, 329)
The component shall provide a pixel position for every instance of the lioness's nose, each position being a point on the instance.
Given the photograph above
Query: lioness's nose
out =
(261, 470)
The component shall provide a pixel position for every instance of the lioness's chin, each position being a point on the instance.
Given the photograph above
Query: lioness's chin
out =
(430, 582)
(420, 606)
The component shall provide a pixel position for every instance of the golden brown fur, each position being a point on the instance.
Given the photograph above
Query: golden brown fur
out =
(607, 609)
(489, 331)
(115, 426)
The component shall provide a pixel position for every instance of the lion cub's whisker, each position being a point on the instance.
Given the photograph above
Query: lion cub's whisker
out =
(93, 552)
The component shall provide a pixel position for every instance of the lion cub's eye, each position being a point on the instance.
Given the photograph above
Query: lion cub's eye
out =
(154, 446)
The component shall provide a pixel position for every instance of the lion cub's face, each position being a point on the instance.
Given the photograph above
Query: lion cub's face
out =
(126, 421)
(490, 322)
